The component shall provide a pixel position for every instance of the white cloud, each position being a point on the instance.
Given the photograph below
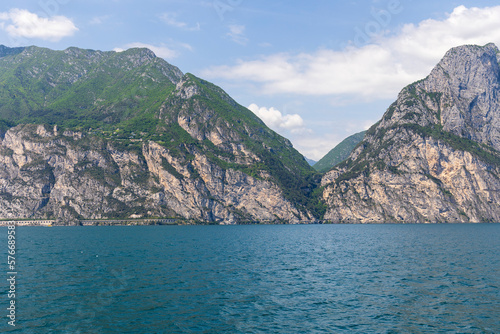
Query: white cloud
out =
(276, 120)
(237, 34)
(315, 147)
(171, 20)
(26, 24)
(377, 70)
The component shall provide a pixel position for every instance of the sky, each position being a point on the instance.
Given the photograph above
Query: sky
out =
(314, 71)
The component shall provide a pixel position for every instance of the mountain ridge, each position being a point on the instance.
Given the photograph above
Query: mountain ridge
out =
(339, 153)
(433, 157)
(89, 134)
(191, 151)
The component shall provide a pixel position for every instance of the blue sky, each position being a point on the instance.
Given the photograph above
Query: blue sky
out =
(314, 71)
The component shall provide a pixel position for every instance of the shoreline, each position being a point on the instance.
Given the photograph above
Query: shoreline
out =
(93, 222)
(183, 222)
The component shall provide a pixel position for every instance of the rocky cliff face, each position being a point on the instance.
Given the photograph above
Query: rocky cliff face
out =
(115, 135)
(434, 157)
(70, 175)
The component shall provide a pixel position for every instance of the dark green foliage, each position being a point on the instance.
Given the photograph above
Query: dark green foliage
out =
(317, 205)
(96, 173)
(388, 114)
(6, 196)
(102, 175)
(413, 99)
(359, 167)
(192, 171)
(440, 185)
(169, 168)
(85, 89)
(287, 167)
(370, 157)
(381, 165)
(141, 176)
(6, 51)
(120, 210)
(482, 152)
(143, 126)
(4, 126)
(394, 170)
(176, 140)
(126, 99)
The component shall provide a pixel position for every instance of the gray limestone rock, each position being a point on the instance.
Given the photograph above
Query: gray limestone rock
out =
(45, 174)
(434, 156)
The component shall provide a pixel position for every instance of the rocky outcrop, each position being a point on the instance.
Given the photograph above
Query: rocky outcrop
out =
(434, 156)
(46, 174)
(468, 81)
(130, 135)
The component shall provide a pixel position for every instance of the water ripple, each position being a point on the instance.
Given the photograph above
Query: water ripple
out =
(259, 279)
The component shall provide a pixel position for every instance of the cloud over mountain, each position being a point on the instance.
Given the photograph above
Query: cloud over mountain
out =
(376, 70)
(22, 23)
(276, 120)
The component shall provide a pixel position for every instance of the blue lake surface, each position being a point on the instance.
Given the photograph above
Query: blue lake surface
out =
(256, 279)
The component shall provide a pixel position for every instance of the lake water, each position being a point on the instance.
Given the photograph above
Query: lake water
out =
(256, 279)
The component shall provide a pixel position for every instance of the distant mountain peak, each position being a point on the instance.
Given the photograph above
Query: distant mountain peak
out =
(435, 155)
(339, 153)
